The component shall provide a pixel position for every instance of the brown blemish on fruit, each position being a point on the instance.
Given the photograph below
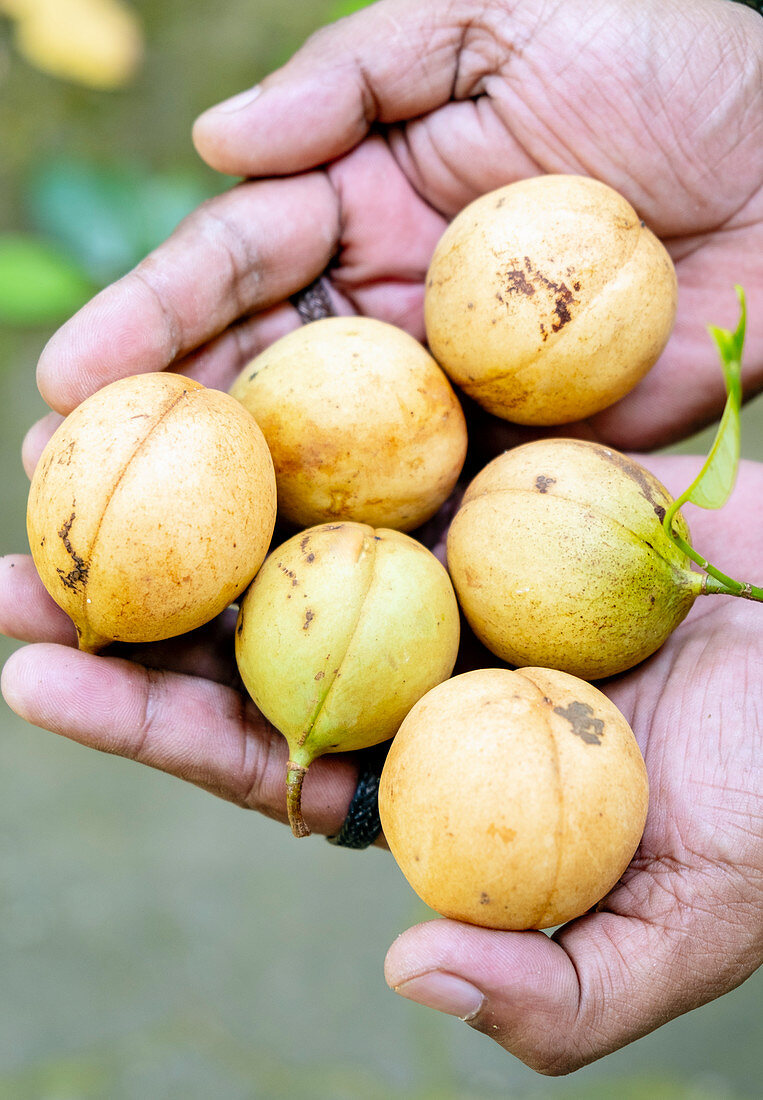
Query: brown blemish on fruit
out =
(319, 675)
(76, 578)
(543, 483)
(583, 721)
(525, 278)
(309, 616)
(65, 458)
(518, 283)
(504, 834)
(484, 898)
(561, 308)
(635, 473)
(289, 573)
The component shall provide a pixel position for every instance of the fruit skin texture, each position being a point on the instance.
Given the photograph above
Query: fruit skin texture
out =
(151, 509)
(343, 629)
(559, 558)
(361, 422)
(513, 800)
(548, 300)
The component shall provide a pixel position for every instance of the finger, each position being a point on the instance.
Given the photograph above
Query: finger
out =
(218, 362)
(36, 439)
(207, 652)
(324, 100)
(199, 731)
(239, 253)
(685, 389)
(558, 1004)
(388, 237)
(27, 612)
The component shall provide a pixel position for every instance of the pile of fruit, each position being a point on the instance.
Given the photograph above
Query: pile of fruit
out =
(512, 799)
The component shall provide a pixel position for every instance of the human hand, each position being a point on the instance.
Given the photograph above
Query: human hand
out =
(216, 293)
(387, 123)
(682, 926)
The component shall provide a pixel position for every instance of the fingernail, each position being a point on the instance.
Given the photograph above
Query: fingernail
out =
(237, 102)
(445, 992)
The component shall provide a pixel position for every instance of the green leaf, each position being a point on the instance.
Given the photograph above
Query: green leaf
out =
(109, 216)
(340, 8)
(715, 481)
(38, 285)
(712, 487)
(90, 211)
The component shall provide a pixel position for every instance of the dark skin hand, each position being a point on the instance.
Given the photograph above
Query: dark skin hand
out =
(383, 127)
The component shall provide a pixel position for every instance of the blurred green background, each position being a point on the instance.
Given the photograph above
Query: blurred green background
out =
(155, 942)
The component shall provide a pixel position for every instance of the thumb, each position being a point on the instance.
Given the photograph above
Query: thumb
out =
(392, 61)
(559, 1003)
(520, 988)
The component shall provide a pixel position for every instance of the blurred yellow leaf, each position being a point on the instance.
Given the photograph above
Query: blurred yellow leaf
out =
(93, 42)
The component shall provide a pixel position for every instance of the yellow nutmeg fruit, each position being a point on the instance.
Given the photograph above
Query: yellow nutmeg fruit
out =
(549, 299)
(151, 509)
(362, 424)
(513, 799)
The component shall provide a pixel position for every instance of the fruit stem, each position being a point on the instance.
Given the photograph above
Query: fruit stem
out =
(295, 774)
(745, 591)
(90, 642)
(716, 582)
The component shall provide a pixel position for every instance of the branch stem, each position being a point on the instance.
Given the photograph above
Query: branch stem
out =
(717, 583)
(295, 774)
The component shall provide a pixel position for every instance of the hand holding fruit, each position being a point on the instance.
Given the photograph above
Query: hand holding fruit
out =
(542, 999)
(190, 308)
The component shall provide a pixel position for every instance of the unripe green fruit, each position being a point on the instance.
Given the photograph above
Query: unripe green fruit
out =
(513, 799)
(559, 558)
(342, 630)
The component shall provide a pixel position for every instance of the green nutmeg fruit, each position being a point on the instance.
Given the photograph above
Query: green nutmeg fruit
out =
(559, 558)
(344, 628)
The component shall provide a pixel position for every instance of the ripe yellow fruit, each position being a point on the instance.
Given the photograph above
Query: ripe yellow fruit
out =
(343, 629)
(513, 799)
(559, 558)
(548, 300)
(151, 509)
(361, 422)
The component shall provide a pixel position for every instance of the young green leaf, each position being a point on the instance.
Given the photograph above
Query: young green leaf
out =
(715, 481)
(38, 285)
